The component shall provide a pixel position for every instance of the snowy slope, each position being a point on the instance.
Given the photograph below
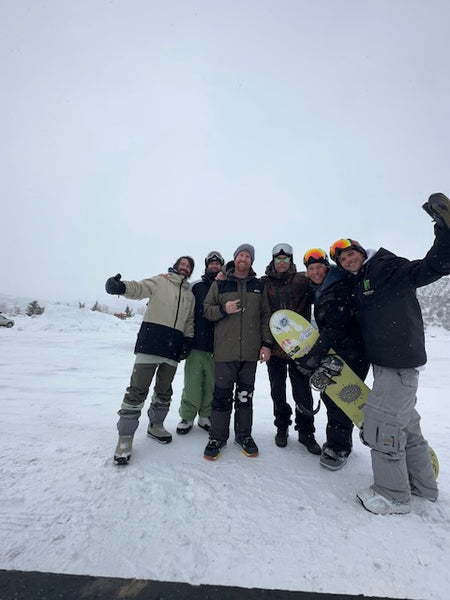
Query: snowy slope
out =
(278, 521)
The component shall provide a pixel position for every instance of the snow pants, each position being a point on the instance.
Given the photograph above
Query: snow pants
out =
(278, 370)
(137, 392)
(400, 457)
(198, 389)
(234, 383)
(339, 428)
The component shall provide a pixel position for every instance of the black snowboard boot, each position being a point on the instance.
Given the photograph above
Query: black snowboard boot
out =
(213, 448)
(281, 437)
(247, 443)
(309, 441)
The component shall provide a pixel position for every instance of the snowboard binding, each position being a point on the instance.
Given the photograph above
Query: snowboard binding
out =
(330, 366)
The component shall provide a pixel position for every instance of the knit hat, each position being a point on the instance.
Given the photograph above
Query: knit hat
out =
(212, 256)
(188, 258)
(315, 255)
(248, 247)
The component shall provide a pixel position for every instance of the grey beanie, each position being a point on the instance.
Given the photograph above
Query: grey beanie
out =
(247, 247)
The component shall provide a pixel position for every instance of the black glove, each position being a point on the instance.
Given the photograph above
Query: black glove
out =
(187, 344)
(114, 286)
(307, 364)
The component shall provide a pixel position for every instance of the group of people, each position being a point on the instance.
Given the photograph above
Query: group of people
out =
(365, 308)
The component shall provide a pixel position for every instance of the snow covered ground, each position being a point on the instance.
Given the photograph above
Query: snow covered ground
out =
(279, 521)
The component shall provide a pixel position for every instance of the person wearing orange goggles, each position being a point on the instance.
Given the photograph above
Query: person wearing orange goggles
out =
(384, 293)
(338, 330)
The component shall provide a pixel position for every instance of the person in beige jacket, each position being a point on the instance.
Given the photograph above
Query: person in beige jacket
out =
(163, 340)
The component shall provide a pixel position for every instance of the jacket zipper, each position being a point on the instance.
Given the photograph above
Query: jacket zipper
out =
(178, 305)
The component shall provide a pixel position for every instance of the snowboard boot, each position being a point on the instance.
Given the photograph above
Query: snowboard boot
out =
(438, 207)
(281, 437)
(122, 452)
(379, 505)
(332, 459)
(213, 448)
(309, 441)
(247, 443)
(158, 432)
(184, 426)
(204, 423)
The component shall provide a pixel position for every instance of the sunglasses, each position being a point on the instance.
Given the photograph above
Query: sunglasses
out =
(284, 260)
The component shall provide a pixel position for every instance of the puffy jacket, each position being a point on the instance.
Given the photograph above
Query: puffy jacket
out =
(168, 323)
(239, 336)
(289, 290)
(384, 292)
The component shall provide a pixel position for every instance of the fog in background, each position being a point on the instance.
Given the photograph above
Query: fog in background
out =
(136, 131)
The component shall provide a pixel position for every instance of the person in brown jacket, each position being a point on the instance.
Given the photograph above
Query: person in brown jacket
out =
(240, 309)
(288, 289)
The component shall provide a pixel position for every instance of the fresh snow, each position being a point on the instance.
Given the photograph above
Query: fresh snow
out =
(279, 521)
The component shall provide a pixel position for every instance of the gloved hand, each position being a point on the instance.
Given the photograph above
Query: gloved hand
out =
(114, 286)
(187, 344)
(307, 364)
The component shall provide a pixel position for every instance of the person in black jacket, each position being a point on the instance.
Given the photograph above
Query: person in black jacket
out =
(339, 330)
(198, 390)
(384, 294)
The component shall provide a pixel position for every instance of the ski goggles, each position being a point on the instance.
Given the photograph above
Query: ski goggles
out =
(214, 256)
(315, 255)
(285, 259)
(342, 244)
(282, 249)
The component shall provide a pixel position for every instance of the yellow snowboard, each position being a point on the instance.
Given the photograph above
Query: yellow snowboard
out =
(297, 336)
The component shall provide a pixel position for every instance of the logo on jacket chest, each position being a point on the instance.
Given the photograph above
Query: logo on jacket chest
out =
(367, 291)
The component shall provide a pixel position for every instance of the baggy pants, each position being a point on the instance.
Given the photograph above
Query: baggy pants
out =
(400, 456)
(278, 370)
(198, 389)
(137, 392)
(234, 383)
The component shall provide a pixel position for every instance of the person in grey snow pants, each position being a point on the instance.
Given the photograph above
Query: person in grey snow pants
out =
(384, 294)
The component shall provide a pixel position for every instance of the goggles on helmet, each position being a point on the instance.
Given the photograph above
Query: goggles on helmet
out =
(315, 255)
(342, 244)
(282, 249)
(214, 256)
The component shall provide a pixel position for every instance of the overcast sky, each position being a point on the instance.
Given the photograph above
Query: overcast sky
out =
(135, 131)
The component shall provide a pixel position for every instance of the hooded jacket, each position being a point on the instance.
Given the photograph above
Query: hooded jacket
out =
(384, 293)
(239, 336)
(168, 322)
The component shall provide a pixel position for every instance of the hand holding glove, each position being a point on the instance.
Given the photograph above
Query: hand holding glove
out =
(114, 286)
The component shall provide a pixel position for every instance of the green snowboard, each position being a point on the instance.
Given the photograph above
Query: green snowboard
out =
(296, 336)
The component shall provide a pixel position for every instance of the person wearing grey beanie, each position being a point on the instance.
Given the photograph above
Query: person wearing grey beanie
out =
(245, 248)
(239, 307)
